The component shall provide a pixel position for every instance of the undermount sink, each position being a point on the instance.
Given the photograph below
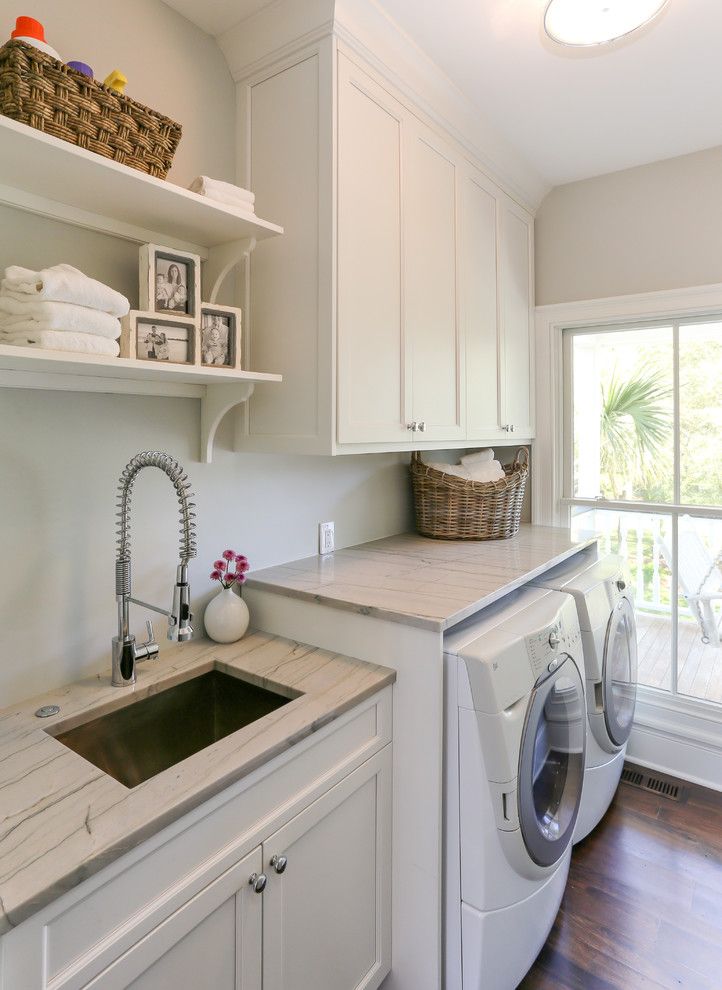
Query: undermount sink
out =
(146, 737)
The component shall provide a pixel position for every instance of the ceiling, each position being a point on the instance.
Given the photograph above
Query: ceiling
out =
(571, 113)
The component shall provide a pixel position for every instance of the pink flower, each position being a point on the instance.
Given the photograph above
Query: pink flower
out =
(240, 559)
(219, 565)
(241, 578)
(228, 555)
(243, 566)
(216, 575)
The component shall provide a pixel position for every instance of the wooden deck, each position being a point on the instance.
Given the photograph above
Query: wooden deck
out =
(700, 666)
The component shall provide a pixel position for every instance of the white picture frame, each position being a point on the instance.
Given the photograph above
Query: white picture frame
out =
(220, 336)
(170, 281)
(161, 338)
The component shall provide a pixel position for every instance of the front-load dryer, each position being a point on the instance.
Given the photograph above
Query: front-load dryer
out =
(605, 608)
(514, 764)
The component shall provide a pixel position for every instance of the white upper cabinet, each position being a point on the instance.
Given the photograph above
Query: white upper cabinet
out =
(515, 316)
(398, 303)
(478, 278)
(430, 291)
(370, 339)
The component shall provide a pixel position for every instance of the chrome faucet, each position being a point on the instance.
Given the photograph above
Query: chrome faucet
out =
(125, 652)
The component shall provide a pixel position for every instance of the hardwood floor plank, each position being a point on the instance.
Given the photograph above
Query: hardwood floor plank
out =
(643, 906)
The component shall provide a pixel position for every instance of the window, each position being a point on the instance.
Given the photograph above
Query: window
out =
(643, 465)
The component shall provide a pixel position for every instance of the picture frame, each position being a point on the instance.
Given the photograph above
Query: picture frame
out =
(220, 336)
(170, 281)
(159, 338)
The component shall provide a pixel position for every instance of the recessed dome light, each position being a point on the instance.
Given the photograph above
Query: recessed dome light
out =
(597, 22)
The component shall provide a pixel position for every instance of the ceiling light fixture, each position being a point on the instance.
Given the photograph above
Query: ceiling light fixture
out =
(597, 22)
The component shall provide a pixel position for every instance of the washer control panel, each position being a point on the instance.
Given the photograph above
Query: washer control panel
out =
(548, 648)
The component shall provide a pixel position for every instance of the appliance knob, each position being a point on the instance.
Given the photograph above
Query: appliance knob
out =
(553, 665)
(554, 640)
(621, 585)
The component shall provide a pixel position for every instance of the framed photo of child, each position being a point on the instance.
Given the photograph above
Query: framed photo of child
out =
(170, 281)
(164, 339)
(220, 336)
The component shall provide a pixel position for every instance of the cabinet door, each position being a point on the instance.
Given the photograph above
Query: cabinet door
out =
(430, 289)
(515, 315)
(478, 305)
(214, 940)
(371, 389)
(327, 917)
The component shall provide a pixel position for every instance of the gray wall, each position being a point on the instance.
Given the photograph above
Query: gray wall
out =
(654, 227)
(61, 453)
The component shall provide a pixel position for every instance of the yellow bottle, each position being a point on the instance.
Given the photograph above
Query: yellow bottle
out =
(116, 80)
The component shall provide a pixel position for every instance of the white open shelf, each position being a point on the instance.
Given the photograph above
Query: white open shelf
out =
(219, 389)
(45, 175)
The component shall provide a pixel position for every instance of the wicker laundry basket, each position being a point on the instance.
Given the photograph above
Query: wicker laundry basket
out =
(451, 508)
(37, 90)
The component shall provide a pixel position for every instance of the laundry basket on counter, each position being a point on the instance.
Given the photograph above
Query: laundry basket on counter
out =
(451, 508)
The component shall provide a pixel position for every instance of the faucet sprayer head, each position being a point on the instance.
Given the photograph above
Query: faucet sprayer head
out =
(180, 617)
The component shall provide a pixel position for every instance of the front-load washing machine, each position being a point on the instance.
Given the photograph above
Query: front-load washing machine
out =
(515, 735)
(605, 608)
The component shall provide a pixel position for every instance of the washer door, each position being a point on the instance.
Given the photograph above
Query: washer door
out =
(620, 672)
(551, 764)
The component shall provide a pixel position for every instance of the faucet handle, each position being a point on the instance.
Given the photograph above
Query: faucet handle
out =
(150, 649)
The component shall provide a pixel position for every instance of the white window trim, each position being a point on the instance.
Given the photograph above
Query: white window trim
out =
(689, 728)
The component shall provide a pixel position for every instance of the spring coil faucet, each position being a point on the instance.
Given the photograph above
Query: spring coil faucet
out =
(125, 652)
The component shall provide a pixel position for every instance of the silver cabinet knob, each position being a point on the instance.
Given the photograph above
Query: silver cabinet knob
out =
(422, 426)
(412, 426)
(279, 863)
(511, 428)
(258, 881)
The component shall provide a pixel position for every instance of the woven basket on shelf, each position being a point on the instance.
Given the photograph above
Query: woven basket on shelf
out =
(451, 508)
(37, 90)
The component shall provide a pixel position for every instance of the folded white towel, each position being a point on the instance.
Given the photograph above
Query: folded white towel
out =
(456, 470)
(54, 340)
(63, 283)
(479, 457)
(489, 471)
(19, 313)
(224, 192)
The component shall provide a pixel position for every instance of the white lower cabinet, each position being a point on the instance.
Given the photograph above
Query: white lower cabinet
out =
(281, 883)
(325, 917)
(212, 941)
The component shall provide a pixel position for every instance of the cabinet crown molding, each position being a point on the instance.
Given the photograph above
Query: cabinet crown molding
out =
(288, 26)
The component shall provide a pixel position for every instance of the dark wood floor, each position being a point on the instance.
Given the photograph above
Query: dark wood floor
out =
(643, 907)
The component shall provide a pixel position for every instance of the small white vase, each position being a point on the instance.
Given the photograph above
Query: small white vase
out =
(226, 617)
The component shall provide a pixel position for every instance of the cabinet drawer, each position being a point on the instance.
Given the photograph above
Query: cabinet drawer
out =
(79, 935)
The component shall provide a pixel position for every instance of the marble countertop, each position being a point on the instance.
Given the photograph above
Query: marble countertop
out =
(62, 819)
(429, 583)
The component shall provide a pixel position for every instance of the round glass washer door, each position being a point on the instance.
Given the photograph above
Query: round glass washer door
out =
(551, 764)
(620, 672)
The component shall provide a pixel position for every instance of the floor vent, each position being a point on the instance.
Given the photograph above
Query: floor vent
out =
(651, 782)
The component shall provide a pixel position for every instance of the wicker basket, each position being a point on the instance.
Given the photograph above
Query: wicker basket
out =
(451, 508)
(37, 90)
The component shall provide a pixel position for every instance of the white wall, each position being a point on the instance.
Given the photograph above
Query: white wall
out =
(61, 453)
(639, 230)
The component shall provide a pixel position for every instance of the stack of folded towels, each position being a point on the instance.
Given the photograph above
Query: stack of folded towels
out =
(479, 466)
(60, 309)
(224, 192)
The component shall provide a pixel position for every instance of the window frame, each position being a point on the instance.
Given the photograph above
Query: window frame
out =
(552, 501)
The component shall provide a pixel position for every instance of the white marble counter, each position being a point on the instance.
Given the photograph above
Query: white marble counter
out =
(62, 819)
(429, 583)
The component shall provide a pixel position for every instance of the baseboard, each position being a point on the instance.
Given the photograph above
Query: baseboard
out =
(681, 743)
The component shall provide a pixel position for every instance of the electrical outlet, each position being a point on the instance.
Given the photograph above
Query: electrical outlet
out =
(326, 542)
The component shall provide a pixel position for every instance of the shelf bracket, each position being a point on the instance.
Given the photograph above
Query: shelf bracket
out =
(222, 260)
(217, 401)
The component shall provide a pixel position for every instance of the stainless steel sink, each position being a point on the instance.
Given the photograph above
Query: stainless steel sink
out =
(146, 737)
